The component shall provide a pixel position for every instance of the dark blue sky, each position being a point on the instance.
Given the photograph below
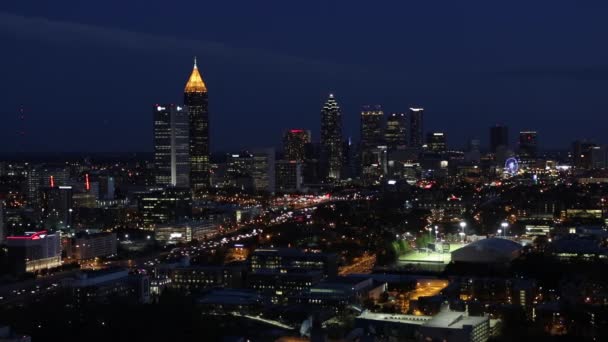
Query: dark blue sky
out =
(88, 72)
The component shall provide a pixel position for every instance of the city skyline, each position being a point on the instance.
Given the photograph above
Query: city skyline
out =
(303, 171)
(551, 90)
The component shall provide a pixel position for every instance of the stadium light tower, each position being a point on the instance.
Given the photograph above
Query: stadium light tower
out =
(504, 226)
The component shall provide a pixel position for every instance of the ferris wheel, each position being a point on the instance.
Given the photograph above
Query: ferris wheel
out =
(511, 166)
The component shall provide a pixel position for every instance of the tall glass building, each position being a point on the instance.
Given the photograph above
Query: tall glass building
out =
(416, 127)
(171, 145)
(195, 98)
(331, 139)
(295, 142)
(395, 133)
(372, 133)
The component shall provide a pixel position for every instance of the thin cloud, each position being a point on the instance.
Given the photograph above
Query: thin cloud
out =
(60, 32)
(576, 73)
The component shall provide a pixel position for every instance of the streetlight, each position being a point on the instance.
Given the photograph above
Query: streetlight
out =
(499, 232)
(504, 226)
(436, 233)
(463, 225)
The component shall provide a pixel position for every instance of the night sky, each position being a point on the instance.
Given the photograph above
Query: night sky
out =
(88, 72)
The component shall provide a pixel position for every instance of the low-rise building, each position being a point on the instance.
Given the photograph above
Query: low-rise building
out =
(84, 246)
(34, 251)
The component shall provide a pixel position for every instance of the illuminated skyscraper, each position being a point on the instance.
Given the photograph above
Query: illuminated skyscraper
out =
(195, 98)
(263, 170)
(294, 144)
(396, 128)
(331, 139)
(528, 144)
(171, 145)
(436, 141)
(499, 138)
(372, 133)
(416, 127)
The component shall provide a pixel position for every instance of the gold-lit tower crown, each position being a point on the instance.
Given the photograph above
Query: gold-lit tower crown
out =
(195, 82)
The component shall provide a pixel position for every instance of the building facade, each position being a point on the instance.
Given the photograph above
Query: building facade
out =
(171, 145)
(499, 138)
(372, 132)
(195, 98)
(34, 252)
(416, 127)
(295, 142)
(436, 142)
(528, 144)
(331, 139)
(395, 134)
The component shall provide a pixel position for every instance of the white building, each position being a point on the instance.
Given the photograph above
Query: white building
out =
(489, 251)
(34, 251)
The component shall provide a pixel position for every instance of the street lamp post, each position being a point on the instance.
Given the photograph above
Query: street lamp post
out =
(463, 225)
(504, 226)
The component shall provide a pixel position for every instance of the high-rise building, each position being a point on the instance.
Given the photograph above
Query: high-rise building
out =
(581, 153)
(56, 204)
(416, 127)
(599, 157)
(171, 145)
(294, 144)
(331, 139)
(288, 175)
(499, 138)
(528, 144)
(195, 98)
(396, 128)
(239, 168)
(372, 126)
(372, 132)
(161, 206)
(436, 141)
(42, 176)
(263, 170)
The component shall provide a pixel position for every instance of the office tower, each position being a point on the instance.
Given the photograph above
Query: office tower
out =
(171, 145)
(416, 127)
(263, 170)
(288, 175)
(436, 142)
(372, 127)
(473, 153)
(34, 251)
(42, 176)
(107, 186)
(195, 99)
(528, 144)
(165, 205)
(599, 157)
(331, 139)
(350, 167)
(56, 205)
(294, 144)
(499, 138)
(396, 128)
(372, 132)
(239, 168)
(474, 145)
(582, 153)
